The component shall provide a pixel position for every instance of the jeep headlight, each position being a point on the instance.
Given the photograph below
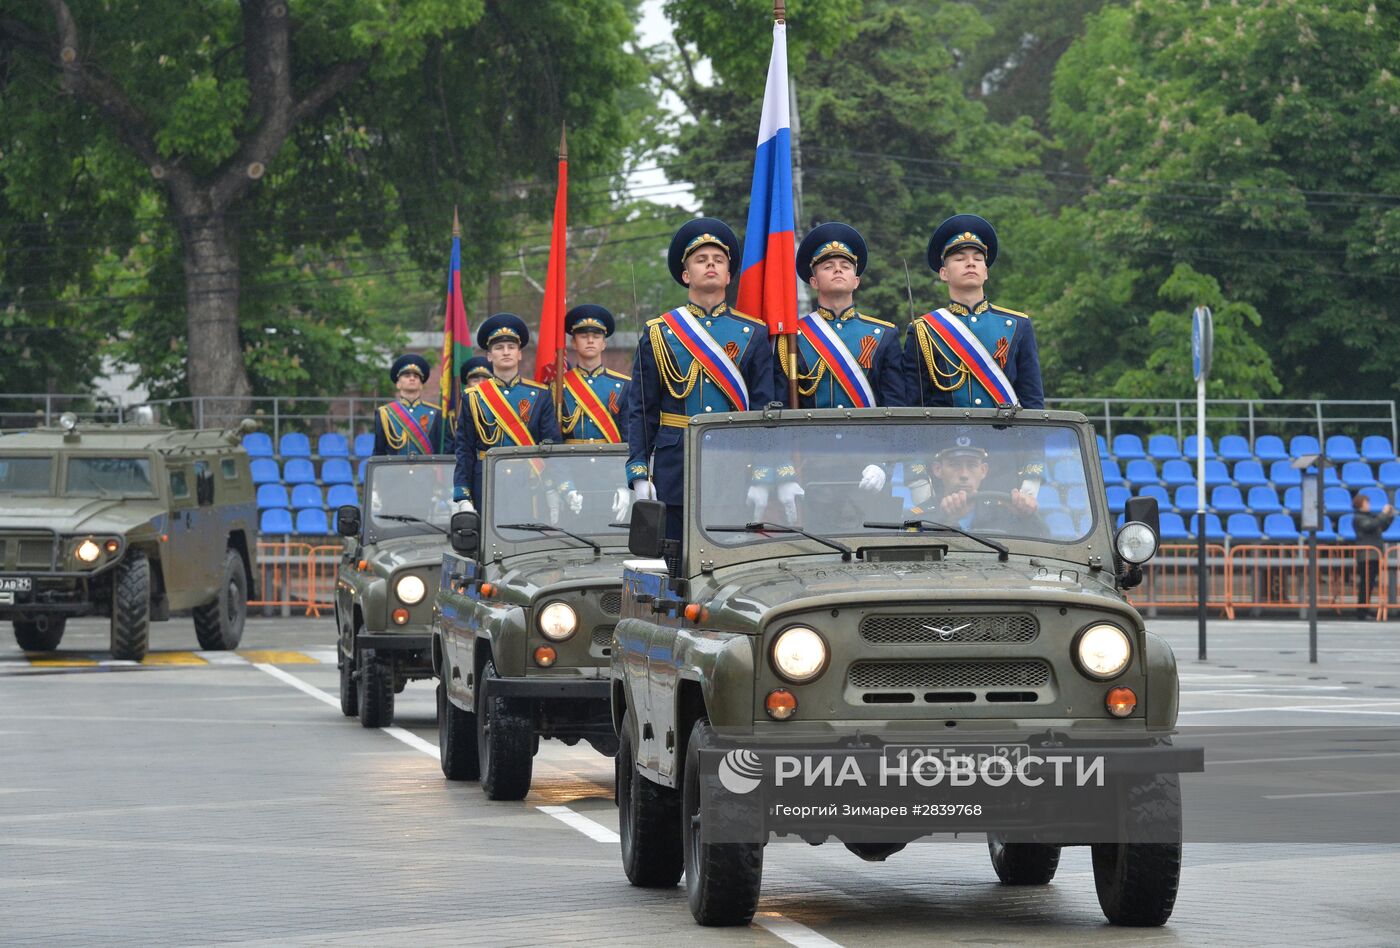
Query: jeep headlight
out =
(799, 654)
(558, 621)
(410, 590)
(1103, 651)
(1136, 542)
(88, 551)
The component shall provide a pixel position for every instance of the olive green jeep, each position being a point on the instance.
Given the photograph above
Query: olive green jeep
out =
(393, 552)
(129, 521)
(956, 617)
(525, 613)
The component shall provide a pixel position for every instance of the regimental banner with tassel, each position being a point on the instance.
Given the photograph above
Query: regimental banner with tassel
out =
(549, 354)
(456, 341)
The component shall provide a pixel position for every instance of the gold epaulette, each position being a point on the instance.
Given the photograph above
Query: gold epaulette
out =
(1010, 312)
(533, 384)
(877, 321)
(746, 316)
(617, 375)
(654, 321)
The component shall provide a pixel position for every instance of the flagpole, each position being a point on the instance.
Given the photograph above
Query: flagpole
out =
(789, 341)
(558, 381)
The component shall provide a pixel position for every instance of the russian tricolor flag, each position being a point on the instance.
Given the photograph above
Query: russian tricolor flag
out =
(767, 281)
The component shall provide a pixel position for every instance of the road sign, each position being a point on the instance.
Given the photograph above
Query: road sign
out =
(1202, 341)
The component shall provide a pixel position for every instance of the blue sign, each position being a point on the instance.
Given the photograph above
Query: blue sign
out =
(1202, 341)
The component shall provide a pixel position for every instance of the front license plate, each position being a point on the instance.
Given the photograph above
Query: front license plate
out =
(16, 584)
(956, 754)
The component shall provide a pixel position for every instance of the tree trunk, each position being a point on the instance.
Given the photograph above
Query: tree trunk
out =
(217, 377)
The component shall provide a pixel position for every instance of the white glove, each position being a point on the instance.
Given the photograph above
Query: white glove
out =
(758, 499)
(463, 506)
(622, 500)
(551, 500)
(788, 492)
(643, 489)
(575, 501)
(872, 478)
(920, 492)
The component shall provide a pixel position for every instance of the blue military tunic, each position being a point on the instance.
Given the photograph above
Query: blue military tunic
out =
(478, 429)
(875, 345)
(938, 378)
(393, 436)
(611, 388)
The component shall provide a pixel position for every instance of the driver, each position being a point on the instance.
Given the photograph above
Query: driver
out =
(958, 472)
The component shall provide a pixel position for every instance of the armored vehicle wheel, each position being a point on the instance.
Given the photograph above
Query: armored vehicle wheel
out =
(722, 880)
(376, 698)
(1137, 882)
(649, 820)
(1023, 863)
(218, 624)
(40, 635)
(505, 738)
(131, 607)
(349, 692)
(456, 739)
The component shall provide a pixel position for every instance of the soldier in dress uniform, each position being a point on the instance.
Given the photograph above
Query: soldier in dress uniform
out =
(970, 353)
(958, 472)
(698, 358)
(594, 396)
(408, 425)
(504, 410)
(474, 371)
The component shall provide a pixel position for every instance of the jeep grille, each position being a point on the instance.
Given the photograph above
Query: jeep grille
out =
(611, 603)
(600, 645)
(27, 551)
(917, 676)
(926, 629)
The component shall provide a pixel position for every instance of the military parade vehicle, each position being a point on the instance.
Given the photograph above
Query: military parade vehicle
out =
(525, 613)
(134, 522)
(388, 571)
(965, 620)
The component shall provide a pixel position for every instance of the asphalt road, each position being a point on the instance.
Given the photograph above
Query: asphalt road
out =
(222, 799)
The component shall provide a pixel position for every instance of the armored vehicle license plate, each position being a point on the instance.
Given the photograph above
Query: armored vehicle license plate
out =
(15, 584)
(979, 754)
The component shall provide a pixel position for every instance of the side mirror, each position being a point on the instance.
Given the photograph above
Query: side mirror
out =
(465, 533)
(646, 535)
(347, 520)
(1143, 510)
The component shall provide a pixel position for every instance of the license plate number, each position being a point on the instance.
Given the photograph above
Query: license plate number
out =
(15, 583)
(979, 754)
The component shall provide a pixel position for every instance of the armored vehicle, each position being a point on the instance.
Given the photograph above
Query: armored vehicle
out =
(383, 607)
(965, 615)
(128, 521)
(525, 613)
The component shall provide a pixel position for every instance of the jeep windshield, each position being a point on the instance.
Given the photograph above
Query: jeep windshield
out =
(25, 475)
(109, 477)
(405, 498)
(867, 479)
(574, 492)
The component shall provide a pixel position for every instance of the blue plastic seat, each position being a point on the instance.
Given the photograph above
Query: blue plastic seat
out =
(312, 522)
(1243, 528)
(1328, 533)
(1342, 448)
(1377, 449)
(1330, 478)
(1392, 532)
(1264, 500)
(1173, 527)
(1389, 474)
(1176, 473)
(1067, 471)
(1214, 529)
(332, 445)
(1293, 500)
(1234, 448)
(272, 495)
(1300, 445)
(264, 471)
(1049, 498)
(307, 495)
(1060, 442)
(1280, 528)
(1077, 497)
(1111, 474)
(257, 444)
(1141, 471)
(1226, 499)
(1217, 473)
(1250, 474)
(1186, 498)
(1284, 474)
(1103, 446)
(1336, 500)
(360, 474)
(1357, 474)
(1164, 501)
(337, 471)
(364, 444)
(1117, 498)
(294, 444)
(299, 471)
(276, 520)
(1163, 447)
(1127, 447)
(1188, 450)
(1060, 525)
(1376, 496)
(1269, 448)
(1345, 528)
(341, 495)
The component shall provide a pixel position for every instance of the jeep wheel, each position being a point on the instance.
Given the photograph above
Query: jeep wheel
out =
(218, 624)
(649, 820)
(505, 737)
(376, 698)
(349, 691)
(456, 739)
(40, 635)
(1137, 882)
(1023, 863)
(131, 607)
(722, 880)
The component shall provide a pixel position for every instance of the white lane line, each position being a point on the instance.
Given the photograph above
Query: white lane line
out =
(1333, 793)
(411, 739)
(589, 828)
(794, 933)
(222, 658)
(1354, 709)
(1288, 760)
(298, 684)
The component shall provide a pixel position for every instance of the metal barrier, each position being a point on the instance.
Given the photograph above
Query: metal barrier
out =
(295, 575)
(1169, 580)
(1251, 417)
(1271, 577)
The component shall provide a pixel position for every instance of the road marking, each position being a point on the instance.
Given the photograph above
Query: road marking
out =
(1289, 760)
(590, 828)
(223, 658)
(74, 662)
(411, 739)
(172, 658)
(1334, 793)
(794, 933)
(1302, 710)
(270, 656)
(298, 684)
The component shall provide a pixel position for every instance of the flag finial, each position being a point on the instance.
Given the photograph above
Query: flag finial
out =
(563, 141)
(456, 223)
(779, 13)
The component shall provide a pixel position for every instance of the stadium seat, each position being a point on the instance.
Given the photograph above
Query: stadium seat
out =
(1342, 448)
(337, 471)
(1060, 442)
(1243, 528)
(1176, 473)
(1284, 474)
(1163, 447)
(1164, 501)
(1173, 527)
(1376, 496)
(257, 444)
(1328, 533)
(1234, 448)
(1392, 532)
(1111, 474)
(1226, 499)
(1357, 474)
(1216, 473)
(1126, 447)
(1293, 500)
(1389, 474)
(1103, 446)
(1077, 497)
(276, 520)
(1084, 524)
(1280, 528)
(1186, 498)
(1141, 472)
(1336, 500)
(1214, 529)
(1117, 498)
(307, 495)
(294, 445)
(1330, 477)
(1188, 450)
(1060, 525)
(1049, 498)
(299, 471)
(1264, 500)
(1269, 448)
(312, 522)
(272, 495)
(332, 445)
(264, 471)
(1377, 449)
(1250, 474)
(360, 474)
(364, 444)
(341, 495)
(1345, 529)
(1301, 445)
(1067, 471)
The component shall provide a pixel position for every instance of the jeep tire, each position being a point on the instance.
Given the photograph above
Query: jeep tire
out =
(1137, 882)
(218, 624)
(376, 698)
(40, 634)
(722, 880)
(349, 690)
(1023, 863)
(131, 607)
(649, 820)
(456, 739)
(505, 742)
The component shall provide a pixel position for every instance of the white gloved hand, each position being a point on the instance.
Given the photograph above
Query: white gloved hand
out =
(551, 500)
(920, 492)
(575, 501)
(643, 489)
(463, 506)
(872, 478)
(622, 500)
(758, 499)
(788, 492)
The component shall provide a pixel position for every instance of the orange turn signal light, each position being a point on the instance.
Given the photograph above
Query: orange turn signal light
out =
(111, 546)
(363, 566)
(545, 656)
(1120, 702)
(400, 616)
(781, 704)
(694, 612)
(488, 590)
